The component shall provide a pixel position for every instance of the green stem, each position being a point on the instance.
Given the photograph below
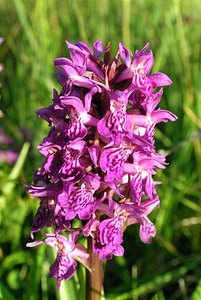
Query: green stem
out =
(95, 275)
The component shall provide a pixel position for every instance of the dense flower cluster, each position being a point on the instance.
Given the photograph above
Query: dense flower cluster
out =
(99, 155)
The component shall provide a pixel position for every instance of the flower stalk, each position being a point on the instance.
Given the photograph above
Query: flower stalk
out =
(94, 275)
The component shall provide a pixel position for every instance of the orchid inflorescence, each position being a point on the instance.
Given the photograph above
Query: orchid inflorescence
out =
(100, 158)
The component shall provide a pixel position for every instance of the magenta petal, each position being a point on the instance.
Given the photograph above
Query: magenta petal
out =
(81, 254)
(152, 101)
(92, 181)
(161, 115)
(61, 76)
(83, 47)
(72, 101)
(111, 162)
(48, 191)
(124, 75)
(81, 201)
(160, 79)
(66, 65)
(88, 97)
(63, 268)
(94, 152)
(149, 163)
(147, 231)
(149, 205)
(143, 58)
(93, 67)
(77, 55)
(90, 227)
(62, 199)
(33, 244)
(82, 81)
(139, 120)
(110, 238)
(98, 48)
(136, 188)
(43, 216)
(125, 54)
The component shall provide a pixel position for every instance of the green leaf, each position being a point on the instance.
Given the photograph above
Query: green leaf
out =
(14, 259)
(197, 292)
(5, 294)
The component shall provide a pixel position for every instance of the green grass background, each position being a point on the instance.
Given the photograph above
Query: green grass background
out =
(35, 33)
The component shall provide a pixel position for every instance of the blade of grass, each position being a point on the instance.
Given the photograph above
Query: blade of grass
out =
(22, 13)
(5, 294)
(126, 22)
(9, 186)
(160, 280)
(197, 292)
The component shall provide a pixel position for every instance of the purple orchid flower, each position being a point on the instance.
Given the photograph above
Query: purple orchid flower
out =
(138, 214)
(79, 200)
(112, 162)
(81, 55)
(111, 234)
(64, 266)
(138, 69)
(78, 117)
(107, 235)
(114, 124)
(79, 70)
(62, 157)
(99, 155)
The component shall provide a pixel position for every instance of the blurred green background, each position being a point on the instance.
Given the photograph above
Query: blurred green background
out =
(35, 33)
